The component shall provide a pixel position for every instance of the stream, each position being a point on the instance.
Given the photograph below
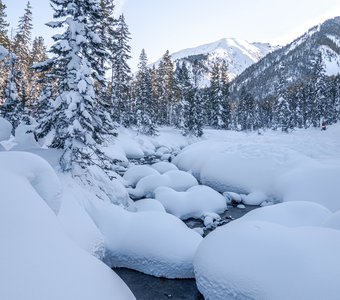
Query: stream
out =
(147, 287)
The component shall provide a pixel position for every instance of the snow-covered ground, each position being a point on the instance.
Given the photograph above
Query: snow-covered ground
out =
(64, 226)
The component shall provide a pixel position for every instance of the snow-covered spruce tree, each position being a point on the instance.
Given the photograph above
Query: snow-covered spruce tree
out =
(246, 110)
(121, 74)
(38, 55)
(77, 119)
(21, 48)
(145, 108)
(218, 110)
(167, 96)
(4, 40)
(192, 103)
(317, 98)
(12, 109)
(283, 112)
(225, 104)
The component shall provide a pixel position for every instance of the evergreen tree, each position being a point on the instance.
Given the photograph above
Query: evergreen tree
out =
(4, 40)
(246, 110)
(218, 110)
(12, 108)
(121, 74)
(38, 55)
(318, 92)
(167, 96)
(145, 108)
(21, 48)
(192, 108)
(77, 117)
(225, 104)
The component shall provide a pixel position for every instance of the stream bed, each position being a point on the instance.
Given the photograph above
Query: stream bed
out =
(146, 287)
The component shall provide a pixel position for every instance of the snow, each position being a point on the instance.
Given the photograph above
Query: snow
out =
(333, 221)
(239, 54)
(5, 129)
(240, 168)
(136, 173)
(3, 53)
(38, 260)
(262, 260)
(154, 243)
(177, 180)
(149, 205)
(80, 227)
(37, 172)
(163, 167)
(290, 214)
(317, 183)
(255, 198)
(24, 138)
(193, 203)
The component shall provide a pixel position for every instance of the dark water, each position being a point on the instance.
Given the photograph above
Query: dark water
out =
(146, 287)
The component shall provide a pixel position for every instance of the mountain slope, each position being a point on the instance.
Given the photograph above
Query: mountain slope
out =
(261, 78)
(239, 54)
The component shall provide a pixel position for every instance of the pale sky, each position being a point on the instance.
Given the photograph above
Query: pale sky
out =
(160, 25)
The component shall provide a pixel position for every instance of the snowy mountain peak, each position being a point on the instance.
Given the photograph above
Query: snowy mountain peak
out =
(238, 53)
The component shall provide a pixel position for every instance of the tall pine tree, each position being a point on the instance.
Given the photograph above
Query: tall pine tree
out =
(77, 117)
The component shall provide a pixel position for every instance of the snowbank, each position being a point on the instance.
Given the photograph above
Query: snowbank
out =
(149, 205)
(163, 167)
(193, 203)
(177, 180)
(38, 261)
(248, 168)
(291, 214)
(37, 172)
(318, 184)
(80, 227)
(154, 243)
(261, 260)
(136, 173)
(333, 221)
(5, 129)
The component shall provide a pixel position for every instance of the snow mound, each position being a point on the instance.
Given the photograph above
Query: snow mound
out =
(149, 205)
(193, 203)
(37, 172)
(248, 168)
(260, 260)
(333, 221)
(163, 167)
(319, 184)
(291, 214)
(240, 168)
(80, 227)
(38, 260)
(255, 198)
(177, 180)
(5, 129)
(136, 173)
(154, 243)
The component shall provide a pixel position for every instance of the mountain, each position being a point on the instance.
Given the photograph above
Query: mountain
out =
(294, 61)
(239, 54)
